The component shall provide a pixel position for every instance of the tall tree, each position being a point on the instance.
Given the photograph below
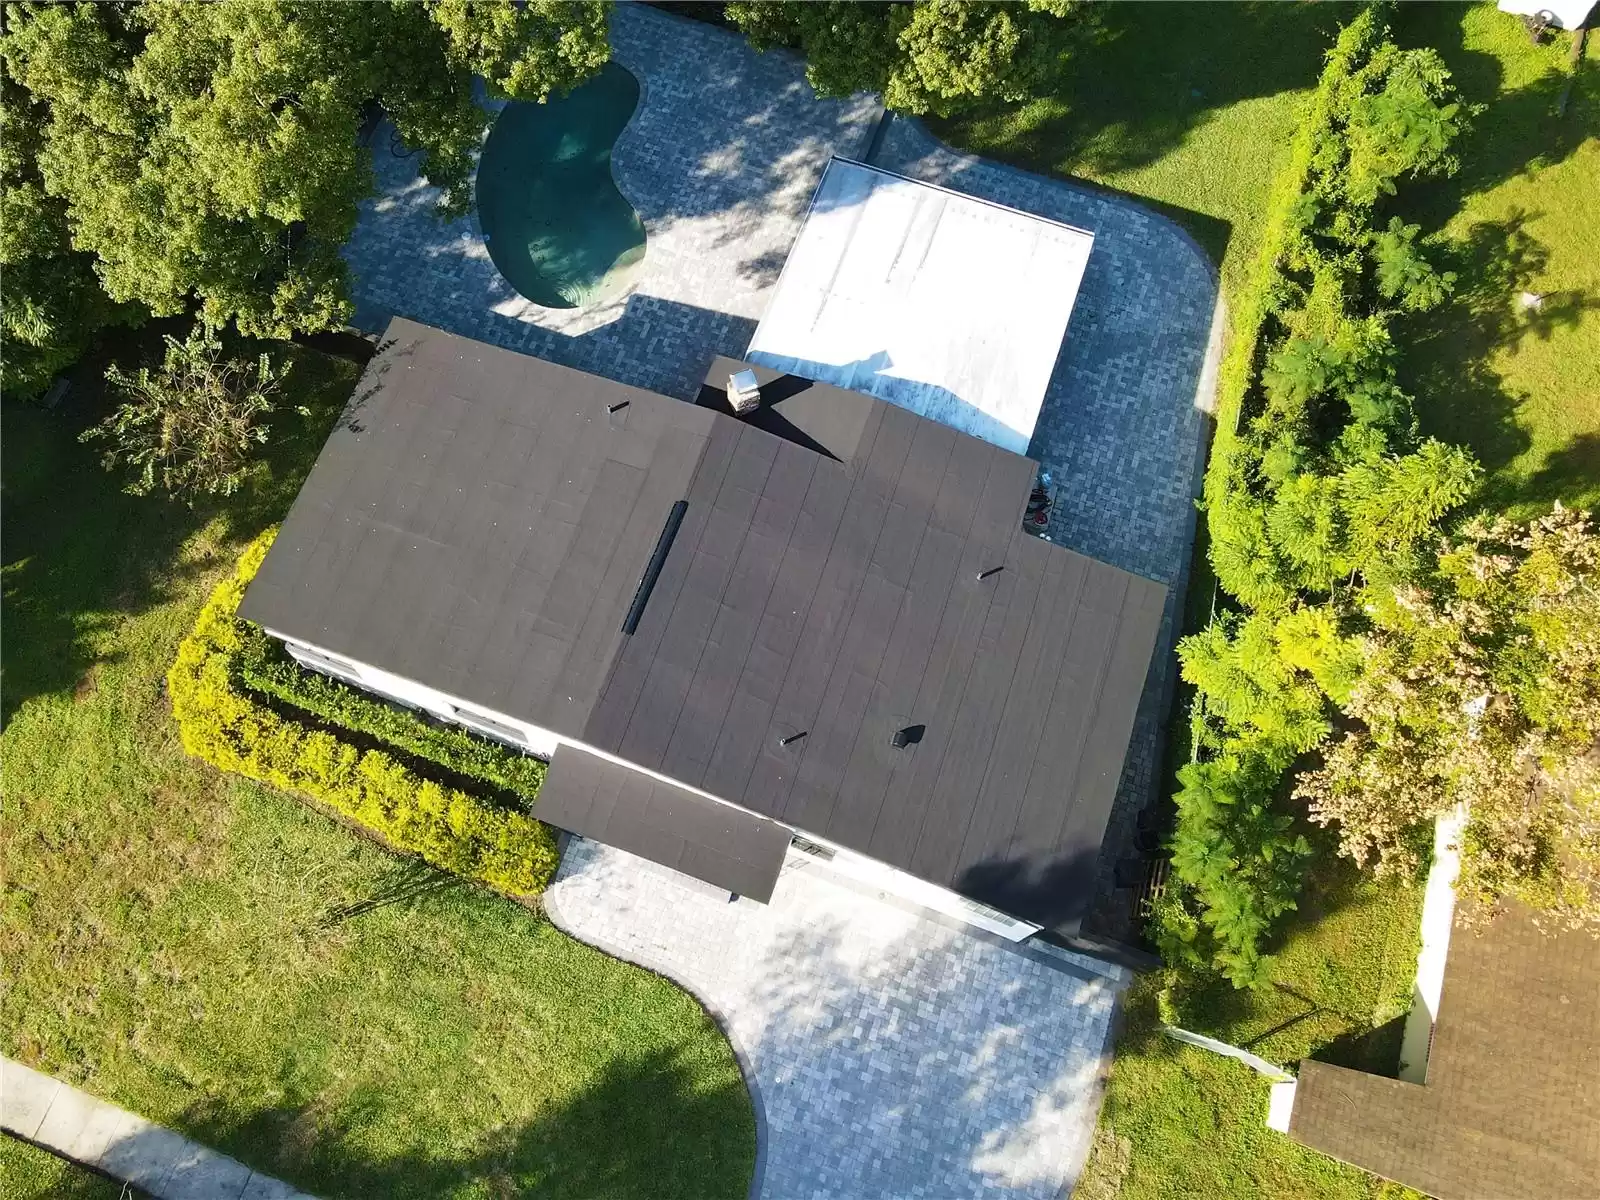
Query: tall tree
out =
(51, 303)
(211, 151)
(1479, 685)
(931, 56)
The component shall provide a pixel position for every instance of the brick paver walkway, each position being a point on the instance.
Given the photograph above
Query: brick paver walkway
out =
(123, 1145)
(893, 1054)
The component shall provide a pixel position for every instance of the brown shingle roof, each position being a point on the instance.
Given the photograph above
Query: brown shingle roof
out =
(1511, 1106)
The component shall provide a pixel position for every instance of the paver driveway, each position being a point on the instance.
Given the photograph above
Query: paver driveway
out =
(893, 1053)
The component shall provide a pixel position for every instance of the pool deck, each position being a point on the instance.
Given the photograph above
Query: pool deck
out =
(720, 161)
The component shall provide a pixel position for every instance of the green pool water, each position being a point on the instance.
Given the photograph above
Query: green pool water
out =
(556, 225)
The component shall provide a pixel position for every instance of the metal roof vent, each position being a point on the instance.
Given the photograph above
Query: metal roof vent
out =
(744, 392)
(909, 736)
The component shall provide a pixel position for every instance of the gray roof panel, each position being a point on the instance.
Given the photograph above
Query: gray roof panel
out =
(480, 522)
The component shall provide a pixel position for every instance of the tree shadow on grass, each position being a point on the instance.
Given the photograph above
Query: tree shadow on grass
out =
(1142, 77)
(1331, 994)
(647, 1125)
(1572, 469)
(80, 554)
(1448, 353)
(1520, 130)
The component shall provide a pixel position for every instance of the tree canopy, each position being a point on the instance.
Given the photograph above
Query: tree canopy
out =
(212, 151)
(51, 304)
(932, 56)
(1479, 685)
(1320, 492)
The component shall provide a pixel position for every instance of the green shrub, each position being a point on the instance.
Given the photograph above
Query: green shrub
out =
(1318, 482)
(221, 723)
(264, 667)
(1241, 859)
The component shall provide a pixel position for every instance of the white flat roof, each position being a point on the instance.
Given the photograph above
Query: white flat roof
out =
(944, 304)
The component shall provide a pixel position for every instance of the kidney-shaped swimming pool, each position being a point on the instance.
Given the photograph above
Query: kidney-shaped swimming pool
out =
(556, 226)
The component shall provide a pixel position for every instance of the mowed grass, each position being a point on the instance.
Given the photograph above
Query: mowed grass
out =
(217, 957)
(1178, 1121)
(29, 1173)
(1520, 386)
(1192, 108)
(1189, 106)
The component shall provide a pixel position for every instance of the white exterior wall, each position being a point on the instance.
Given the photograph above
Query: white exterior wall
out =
(1438, 915)
(907, 887)
(543, 742)
(533, 738)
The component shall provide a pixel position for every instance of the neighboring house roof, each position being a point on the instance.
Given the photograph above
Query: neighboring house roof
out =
(942, 303)
(480, 522)
(1511, 1106)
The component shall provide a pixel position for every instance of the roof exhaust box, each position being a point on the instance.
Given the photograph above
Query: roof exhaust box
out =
(744, 392)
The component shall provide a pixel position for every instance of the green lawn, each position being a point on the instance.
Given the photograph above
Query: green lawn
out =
(1521, 388)
(1187, 105)
(219, 958)
(1191, 107)
(1194, 1123)
(29, 1173)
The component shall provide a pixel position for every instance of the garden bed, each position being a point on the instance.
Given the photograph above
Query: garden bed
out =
(224, 724)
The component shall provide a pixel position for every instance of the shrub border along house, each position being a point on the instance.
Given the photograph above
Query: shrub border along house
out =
(221, 722)
(266, 669)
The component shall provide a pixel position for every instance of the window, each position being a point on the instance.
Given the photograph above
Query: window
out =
(498, 730)
(324, 663)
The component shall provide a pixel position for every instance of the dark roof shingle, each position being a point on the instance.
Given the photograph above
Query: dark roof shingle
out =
(481, 524)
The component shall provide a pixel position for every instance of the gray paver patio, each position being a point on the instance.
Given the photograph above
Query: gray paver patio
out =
(720, 161)
(892, 1054)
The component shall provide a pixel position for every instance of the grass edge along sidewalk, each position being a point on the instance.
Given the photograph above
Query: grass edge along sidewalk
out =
(106, 1140)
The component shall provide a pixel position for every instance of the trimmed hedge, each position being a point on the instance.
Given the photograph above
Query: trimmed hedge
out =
(266, 668)
(221, 723)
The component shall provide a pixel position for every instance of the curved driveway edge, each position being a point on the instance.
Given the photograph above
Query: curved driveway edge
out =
(550, 902)
(891, 1055)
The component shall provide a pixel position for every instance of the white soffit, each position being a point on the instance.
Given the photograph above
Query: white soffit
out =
(941, 303)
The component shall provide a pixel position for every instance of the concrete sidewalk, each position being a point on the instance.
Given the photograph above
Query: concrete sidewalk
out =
(169, 1166)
